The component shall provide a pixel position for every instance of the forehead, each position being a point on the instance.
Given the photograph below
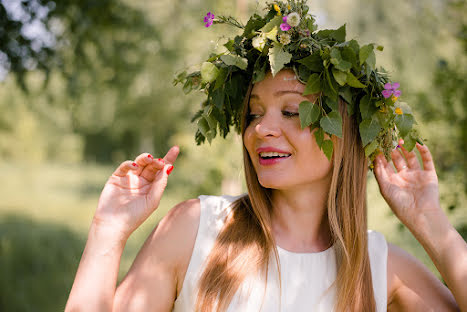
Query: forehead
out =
(285, 80)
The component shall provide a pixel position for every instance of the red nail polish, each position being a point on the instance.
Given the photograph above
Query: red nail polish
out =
(169, 170)
(150, 156)
(135, 164)
(160, 159)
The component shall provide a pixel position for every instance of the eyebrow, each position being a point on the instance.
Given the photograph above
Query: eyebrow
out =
(279, 93)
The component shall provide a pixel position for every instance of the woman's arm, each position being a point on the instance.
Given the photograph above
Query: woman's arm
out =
(129, 197)
(413, 195)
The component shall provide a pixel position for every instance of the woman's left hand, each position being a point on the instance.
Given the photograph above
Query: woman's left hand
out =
(411, 192)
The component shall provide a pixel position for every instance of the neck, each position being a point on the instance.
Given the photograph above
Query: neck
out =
(299, 218)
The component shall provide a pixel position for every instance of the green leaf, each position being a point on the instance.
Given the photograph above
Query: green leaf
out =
(332, 123)
(371, 61)
(339, 34)
(308, 112)
(346, 94)
(369, 129)
(275, 22)
(328, 148)
(365, 52)
(272, 35)
(203, 127)
(319, 135)
(365, 107)
(409, 141)
(278, 58)
(349, 55)
(380, 48)
(235, 60)
(404, 123)
(259, 71)
(221, 78)
(370, 148)
(340, 76)
(230, 45)
(355, 46)
(336, 57)
(353, 81)
(331, 103)
(313, 85)
(313, 62)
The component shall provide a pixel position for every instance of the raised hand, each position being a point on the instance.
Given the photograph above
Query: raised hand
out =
(411, 192)
(133, 193)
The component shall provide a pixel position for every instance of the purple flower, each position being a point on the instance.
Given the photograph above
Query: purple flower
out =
(208, 19)
(284, 26)
(391, 89)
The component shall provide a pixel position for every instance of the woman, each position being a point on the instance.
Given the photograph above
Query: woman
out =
(305, 209)
(299, 185)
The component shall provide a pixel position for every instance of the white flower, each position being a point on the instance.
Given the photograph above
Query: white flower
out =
(259, 42)
(293, 19)
(284, 39)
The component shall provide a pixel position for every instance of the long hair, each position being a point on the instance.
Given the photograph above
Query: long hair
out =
(245, 243)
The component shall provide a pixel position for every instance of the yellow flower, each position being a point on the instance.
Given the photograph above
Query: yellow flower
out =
(398, 111)
(278, 9)
(394, 98)
(288, 7)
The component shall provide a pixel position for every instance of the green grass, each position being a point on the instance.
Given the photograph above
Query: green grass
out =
(45, 215)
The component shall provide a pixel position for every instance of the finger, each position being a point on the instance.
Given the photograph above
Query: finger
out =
(398, 160)
(159, 185)
(427, 160)
(150, 170)
(171, 155)
(411, 157)
(143, 160)
(383, 170)
(124, 167)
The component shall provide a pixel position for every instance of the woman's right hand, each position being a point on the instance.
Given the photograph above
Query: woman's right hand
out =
(133, 193)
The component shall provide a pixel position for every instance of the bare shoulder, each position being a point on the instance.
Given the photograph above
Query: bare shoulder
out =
(413, 287)
(155, 277)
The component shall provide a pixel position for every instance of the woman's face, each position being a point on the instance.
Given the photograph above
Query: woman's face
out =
(283, 155)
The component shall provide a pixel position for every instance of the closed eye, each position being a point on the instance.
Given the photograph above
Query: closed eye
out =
(289, 114)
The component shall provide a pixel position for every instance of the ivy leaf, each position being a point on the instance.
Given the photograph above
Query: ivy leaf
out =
(353, 81)
(404, 123)
(365, 52)
(369, 129)
(308, 112)
(340, 76)
(235, 60)
(313, 62)
(313, 85)
(332, 123)
(328, 148)
(278, 58)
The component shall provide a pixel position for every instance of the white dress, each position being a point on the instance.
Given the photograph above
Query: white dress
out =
(305, 276)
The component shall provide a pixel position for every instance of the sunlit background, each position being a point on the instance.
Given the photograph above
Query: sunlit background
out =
(86, 85)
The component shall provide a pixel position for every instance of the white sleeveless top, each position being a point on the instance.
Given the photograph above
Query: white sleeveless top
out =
(305, 276)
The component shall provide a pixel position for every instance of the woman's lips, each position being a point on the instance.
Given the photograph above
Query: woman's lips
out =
(271, 161)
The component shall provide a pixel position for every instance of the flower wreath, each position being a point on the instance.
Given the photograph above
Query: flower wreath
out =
(287, 37)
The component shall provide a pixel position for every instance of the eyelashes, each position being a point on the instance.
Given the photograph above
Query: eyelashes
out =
(284, 113)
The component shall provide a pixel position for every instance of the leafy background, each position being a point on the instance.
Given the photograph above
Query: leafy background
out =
(86, 85)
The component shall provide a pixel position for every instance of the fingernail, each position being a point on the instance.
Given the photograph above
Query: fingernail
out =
(169, 170)
(135, 164)
(150, 156)
(160, 159)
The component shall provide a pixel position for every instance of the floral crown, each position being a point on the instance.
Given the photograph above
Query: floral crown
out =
(328, 65)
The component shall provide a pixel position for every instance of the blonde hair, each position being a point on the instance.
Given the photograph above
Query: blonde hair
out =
(247, 232)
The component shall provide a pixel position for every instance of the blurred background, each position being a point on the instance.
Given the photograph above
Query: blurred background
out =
(86, 84)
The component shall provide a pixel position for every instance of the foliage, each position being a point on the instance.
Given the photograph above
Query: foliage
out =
(323, 60)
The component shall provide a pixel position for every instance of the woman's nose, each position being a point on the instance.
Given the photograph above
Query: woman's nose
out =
(268, 126)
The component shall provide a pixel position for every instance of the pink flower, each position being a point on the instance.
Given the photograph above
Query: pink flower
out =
(209, 19)
(284, 26)
(391, 89)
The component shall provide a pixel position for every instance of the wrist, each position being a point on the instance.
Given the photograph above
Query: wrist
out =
(108, 233)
